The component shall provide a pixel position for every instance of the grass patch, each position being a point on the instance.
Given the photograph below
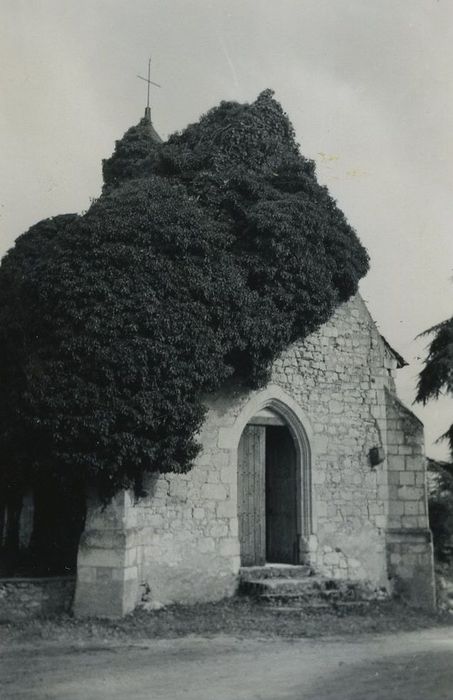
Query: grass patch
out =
(240, 617)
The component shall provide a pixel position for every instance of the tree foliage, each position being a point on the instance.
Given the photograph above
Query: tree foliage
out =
(437, 375)
(202, 260)
(441, 508)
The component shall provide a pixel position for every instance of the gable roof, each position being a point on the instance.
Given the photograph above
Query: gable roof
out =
(400, 361)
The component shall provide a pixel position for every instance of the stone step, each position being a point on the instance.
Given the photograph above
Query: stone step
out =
(353, 606)
(285, 591)
(310, 595)
(280, 585)
(310, 584)
(308, 591)
(271, 571)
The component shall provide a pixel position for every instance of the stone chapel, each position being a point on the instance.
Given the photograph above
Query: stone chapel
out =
(322, 468)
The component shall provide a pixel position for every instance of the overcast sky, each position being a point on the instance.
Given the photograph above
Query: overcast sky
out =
(367, 84)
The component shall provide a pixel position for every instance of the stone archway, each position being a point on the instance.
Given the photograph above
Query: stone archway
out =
(273, 442)
(268, 491)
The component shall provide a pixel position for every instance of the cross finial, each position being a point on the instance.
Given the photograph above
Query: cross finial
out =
(150, 82)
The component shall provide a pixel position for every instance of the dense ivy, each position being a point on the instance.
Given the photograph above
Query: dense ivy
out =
(203, 259)
(133, 155)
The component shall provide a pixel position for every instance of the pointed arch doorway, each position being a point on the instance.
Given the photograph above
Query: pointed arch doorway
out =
(270, 491)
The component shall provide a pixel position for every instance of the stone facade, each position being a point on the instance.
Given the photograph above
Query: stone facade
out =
(362, 509)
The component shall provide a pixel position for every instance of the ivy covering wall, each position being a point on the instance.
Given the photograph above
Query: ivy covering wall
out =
(204, 257)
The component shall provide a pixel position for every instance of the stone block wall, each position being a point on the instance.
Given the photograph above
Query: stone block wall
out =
(189, 547)
(338, 375)
(409, 542)
(25, 598)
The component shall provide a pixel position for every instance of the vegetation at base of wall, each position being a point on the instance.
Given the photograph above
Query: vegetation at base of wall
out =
(202, 260)
(238, 616)
(440, 504)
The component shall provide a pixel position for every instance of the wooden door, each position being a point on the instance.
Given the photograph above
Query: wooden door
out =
(251, 495)
(281, 495)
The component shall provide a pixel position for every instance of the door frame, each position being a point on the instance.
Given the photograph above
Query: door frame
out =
(277, 400)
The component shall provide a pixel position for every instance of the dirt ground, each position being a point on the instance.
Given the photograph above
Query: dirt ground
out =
(402, 666)
(233, 650)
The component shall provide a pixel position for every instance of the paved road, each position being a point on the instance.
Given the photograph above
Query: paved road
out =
(410, 666)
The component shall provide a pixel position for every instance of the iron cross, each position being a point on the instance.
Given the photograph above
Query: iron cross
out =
(149, 81)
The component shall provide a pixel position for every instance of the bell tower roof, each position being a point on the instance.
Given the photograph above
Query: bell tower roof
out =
(148, 125)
